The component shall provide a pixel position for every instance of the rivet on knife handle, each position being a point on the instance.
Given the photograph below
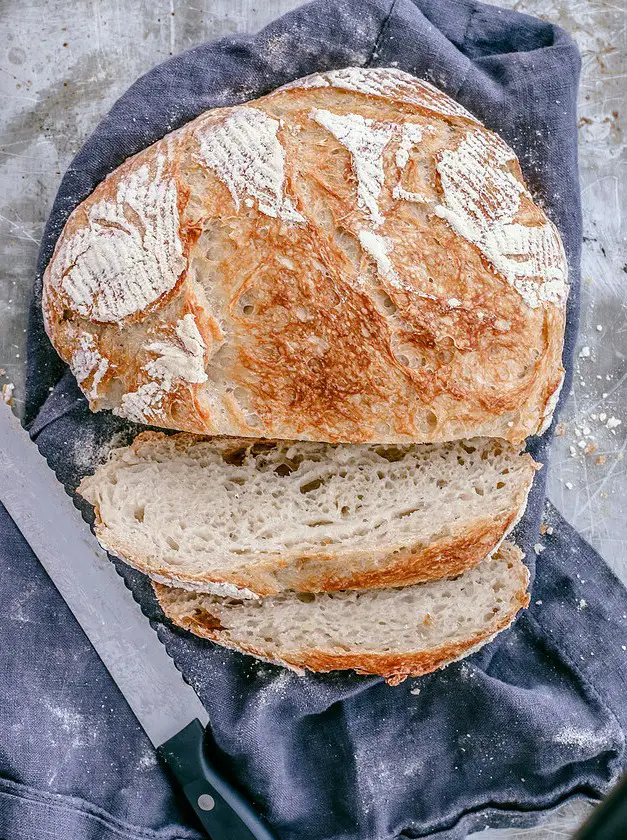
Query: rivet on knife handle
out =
(223, 812)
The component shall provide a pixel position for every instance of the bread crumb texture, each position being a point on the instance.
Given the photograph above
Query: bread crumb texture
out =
(352, 257)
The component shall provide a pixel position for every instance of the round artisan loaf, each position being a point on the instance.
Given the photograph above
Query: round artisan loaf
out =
(353, 257)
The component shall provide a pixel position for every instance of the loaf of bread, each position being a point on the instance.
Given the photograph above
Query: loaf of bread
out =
(395, 633)
(352, 258)
(253, 518)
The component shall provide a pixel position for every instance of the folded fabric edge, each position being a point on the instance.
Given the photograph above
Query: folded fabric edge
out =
(24, 809)
(495, 816)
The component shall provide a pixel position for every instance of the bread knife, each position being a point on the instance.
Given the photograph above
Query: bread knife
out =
(166, 707)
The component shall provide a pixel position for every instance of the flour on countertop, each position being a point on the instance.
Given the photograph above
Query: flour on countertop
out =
(365, 140)
(88, 361)
(520, 253)
(245, 153)
(130, 252)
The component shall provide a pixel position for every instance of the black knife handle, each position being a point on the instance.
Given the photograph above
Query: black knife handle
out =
(608, 821)
(223, 812)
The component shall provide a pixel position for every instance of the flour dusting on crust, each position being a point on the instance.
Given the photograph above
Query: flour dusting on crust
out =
(365, 140)
(87, 362)
(481, 201)
(407, 195)
(177, 361)
(129, 254)
(184, 360)
(378, 247)
(389, 82)
(245, 153)
(411, 135)
(223, 590)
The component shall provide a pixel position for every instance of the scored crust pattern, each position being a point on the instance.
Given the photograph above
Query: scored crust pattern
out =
(352, 257)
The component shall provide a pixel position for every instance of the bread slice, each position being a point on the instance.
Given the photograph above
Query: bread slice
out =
(395, 633)
(351, 258)
(270, 516)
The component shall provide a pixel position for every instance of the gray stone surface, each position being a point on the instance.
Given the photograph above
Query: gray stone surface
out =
(63, 64)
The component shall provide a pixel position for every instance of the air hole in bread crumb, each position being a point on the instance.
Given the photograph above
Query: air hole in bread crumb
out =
(390, 453)
(387, 303)
(283, 470)
(235, 457)
(172, 543)
(259, 448)
(441, 483)
(306, 597)
(432, 419)
(406, 513)
(138, 513)
(479, 491)
(311, 485)
(500, 485)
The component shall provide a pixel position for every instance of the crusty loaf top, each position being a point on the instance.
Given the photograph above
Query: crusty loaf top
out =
(353, 257)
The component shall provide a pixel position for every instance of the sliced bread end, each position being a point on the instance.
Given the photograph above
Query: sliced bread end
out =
(395, 633)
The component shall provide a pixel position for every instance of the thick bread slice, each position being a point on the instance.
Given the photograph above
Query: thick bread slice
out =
(274, 516)
(353, 257)
(392, 632)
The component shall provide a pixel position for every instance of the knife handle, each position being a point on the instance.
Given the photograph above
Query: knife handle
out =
(223, 812)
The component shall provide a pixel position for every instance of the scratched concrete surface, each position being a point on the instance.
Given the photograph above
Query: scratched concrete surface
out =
(62, 68)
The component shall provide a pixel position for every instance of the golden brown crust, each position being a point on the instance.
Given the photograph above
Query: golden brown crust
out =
(306, 335)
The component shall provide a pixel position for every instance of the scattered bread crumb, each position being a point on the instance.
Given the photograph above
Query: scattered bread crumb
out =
(590, 449)
(539, 548)
(415, 691)
(568, 485)
(584, 353)
(7, 393)
(600, 459)
(560, 429)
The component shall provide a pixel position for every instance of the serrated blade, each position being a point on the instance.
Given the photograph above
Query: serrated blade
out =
(95, 593)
